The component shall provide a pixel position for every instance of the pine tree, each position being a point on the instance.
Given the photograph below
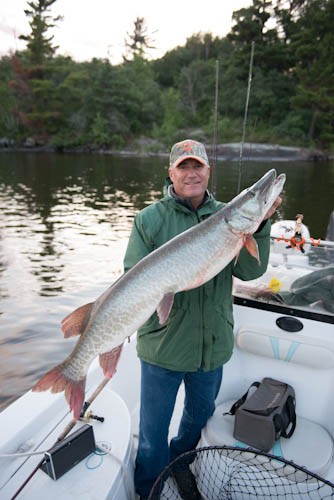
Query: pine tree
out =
(33, 83)
(39, 45)
(137, 43)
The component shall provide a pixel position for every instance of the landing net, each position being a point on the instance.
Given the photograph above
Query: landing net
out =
(228, 472)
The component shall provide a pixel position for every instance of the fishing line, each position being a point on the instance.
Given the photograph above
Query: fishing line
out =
(250, 71)
(214, 141)
(27, 454)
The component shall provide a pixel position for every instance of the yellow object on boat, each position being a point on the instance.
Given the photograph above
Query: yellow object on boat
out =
(275, 285)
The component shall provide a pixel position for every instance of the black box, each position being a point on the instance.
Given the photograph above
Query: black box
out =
(69, 452)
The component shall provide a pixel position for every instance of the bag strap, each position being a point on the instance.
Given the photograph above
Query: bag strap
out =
(292, 419)
(240, 401)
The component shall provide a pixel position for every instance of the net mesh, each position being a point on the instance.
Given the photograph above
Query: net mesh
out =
(228, 472)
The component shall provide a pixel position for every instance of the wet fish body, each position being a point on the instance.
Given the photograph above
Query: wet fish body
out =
(152, 283)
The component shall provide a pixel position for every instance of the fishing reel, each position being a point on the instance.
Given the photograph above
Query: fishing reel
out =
(87, 415)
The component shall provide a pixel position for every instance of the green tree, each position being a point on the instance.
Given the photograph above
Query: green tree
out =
(137, 96)
(55, 99)
(313, 42)
(257, 24)
(139, 42)
(251, 23)
(103, 98)
(198, 47)
(72, 82)
(35, 89)
(173, 117)
(9, 124)
(100, 131)
(39, 45)
(287, 12)
(196, 88)
(34, 82)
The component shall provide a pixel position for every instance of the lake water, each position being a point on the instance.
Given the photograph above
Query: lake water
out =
(64, 225)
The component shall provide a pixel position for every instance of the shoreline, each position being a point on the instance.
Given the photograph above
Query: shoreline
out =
(223, 152)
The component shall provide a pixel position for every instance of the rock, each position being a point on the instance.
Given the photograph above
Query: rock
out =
(262, 152)
(29, 143)
(6, 143)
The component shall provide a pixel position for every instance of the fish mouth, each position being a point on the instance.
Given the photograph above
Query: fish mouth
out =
(268, 187)
(254, 202)
(265, 183)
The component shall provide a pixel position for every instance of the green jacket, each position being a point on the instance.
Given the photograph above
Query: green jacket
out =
(199, 330)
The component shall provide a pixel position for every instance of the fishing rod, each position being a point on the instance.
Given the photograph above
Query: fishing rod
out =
(84, 416)
(250, 71)
(214, 142)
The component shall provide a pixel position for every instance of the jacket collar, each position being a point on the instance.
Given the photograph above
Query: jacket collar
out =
(185, 202)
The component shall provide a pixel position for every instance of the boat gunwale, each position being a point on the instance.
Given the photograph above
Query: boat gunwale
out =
(281, 309)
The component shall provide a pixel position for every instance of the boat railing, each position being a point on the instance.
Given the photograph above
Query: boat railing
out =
(308, 241)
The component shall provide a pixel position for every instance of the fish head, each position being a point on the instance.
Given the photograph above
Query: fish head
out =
(248, 209)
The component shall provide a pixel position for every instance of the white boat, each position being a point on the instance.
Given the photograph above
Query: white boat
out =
(274, 337)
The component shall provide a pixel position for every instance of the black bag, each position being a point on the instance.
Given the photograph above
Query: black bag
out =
(266, 415)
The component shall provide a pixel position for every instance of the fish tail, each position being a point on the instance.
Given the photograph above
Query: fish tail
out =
(57, 381)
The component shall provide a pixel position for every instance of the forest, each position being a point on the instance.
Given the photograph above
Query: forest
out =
(50, 100)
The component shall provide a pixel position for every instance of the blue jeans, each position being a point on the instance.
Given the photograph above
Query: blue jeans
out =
(159, 388)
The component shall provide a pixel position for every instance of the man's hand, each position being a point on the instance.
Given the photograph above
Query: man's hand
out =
(272, 210)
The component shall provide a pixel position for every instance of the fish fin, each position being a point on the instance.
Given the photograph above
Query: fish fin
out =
(56, 381)
(75, 396)
(76, 322)
(165, 307)
(252, 247)
(109, 361)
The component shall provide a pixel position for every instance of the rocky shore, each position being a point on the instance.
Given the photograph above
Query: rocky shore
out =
(144, 147)
(264, 152)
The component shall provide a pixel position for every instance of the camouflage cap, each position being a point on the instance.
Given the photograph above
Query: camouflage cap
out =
(188, 149)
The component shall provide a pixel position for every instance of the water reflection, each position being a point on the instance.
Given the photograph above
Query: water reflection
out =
(50, 215)
(65, 221)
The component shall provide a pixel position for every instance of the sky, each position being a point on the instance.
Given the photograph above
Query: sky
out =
(97, 28)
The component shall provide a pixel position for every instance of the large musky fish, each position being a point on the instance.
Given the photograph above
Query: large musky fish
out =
(150, 286)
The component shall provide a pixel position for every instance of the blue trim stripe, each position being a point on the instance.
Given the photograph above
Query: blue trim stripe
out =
(275, 347)
(292, 349)
(240, 444)
(276, 449)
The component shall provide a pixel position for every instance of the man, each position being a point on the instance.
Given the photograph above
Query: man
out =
(197, 339)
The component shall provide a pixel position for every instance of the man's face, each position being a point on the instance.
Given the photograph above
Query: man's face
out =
(190, 179)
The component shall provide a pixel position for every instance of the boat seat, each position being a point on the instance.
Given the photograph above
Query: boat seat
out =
(292, 348)
(310, 446)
